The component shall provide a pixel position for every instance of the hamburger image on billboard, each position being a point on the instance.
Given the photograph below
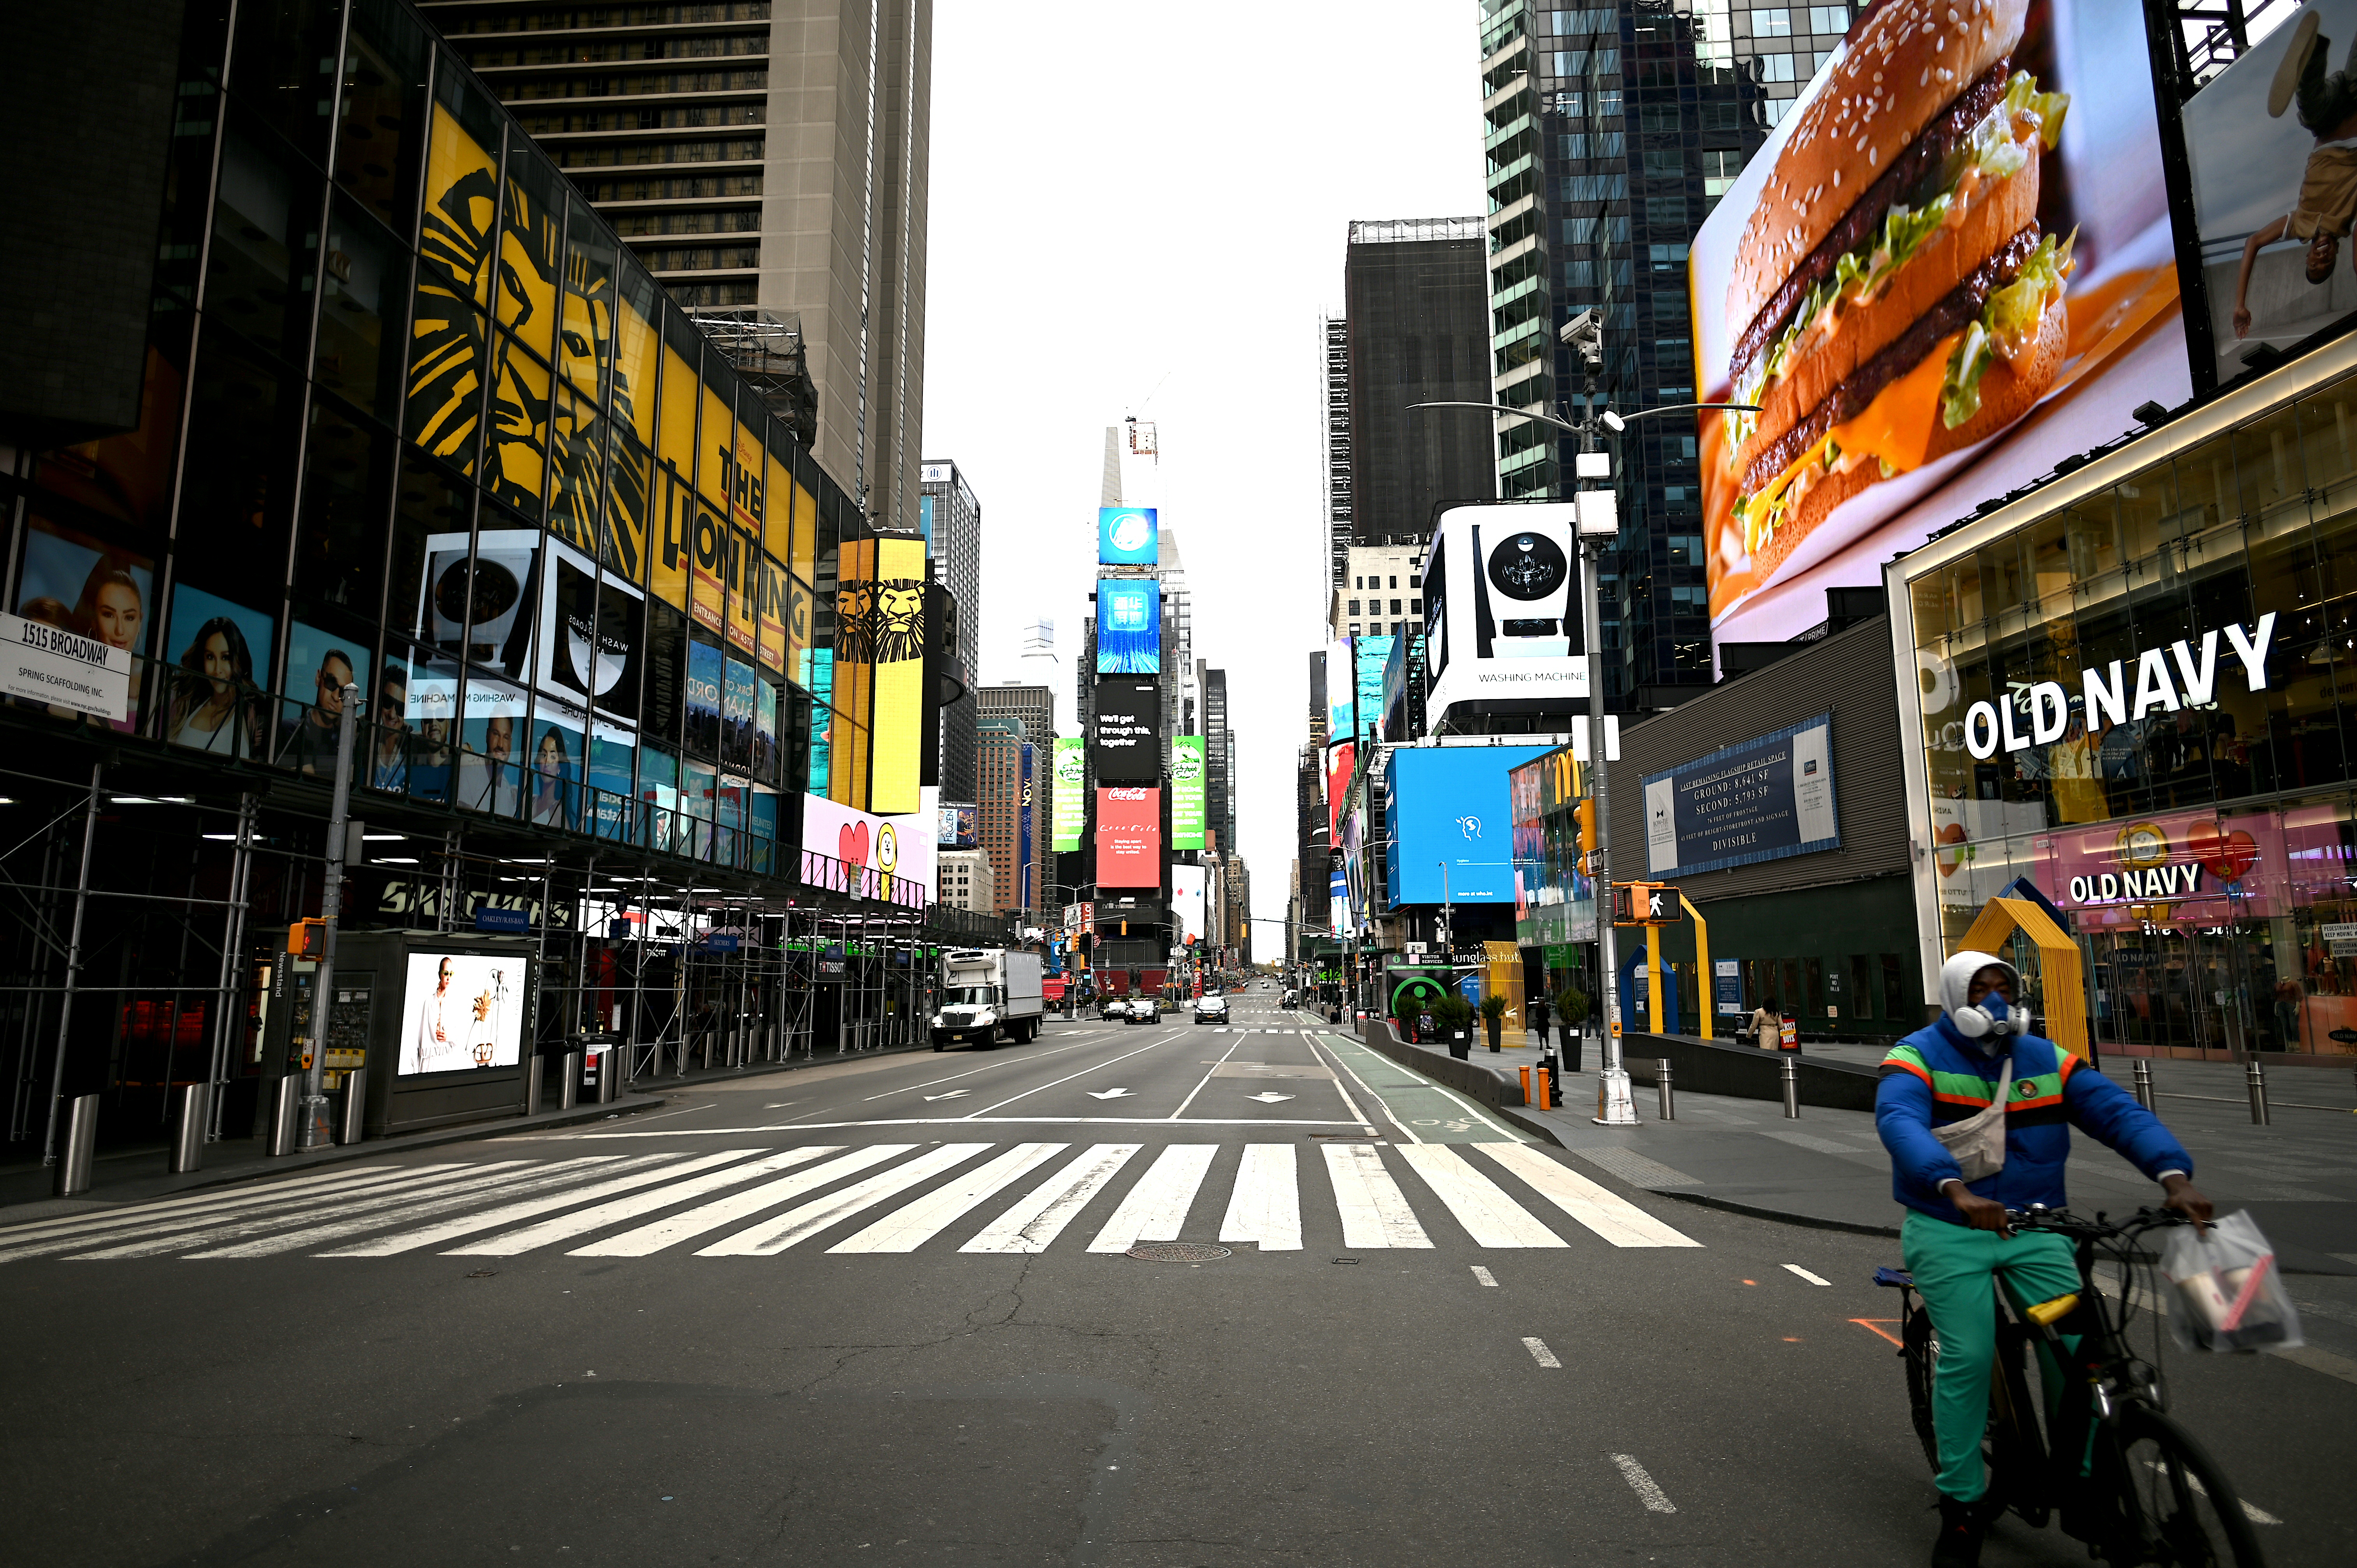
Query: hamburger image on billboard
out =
(1951, 265)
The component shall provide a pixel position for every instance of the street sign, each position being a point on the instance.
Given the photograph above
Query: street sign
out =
(490, 919)
(1412, 950)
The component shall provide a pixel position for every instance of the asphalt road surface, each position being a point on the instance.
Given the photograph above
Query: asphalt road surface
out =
(885, 1312)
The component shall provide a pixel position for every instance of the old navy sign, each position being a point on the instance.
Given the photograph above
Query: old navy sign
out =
(2111, 698)
(2153, 883)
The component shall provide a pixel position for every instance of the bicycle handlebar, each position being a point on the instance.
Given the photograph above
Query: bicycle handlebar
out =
(2062, 1222)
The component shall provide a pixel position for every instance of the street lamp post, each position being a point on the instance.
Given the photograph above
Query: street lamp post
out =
(1615, 1104)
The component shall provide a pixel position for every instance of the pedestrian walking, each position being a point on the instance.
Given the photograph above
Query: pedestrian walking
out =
(1539, 1020)
(1767, 1026)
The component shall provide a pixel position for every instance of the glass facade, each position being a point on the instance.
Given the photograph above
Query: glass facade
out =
(415, 419)
(2143, 700)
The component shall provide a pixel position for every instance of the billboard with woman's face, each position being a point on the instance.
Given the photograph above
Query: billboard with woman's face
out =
(215, 647)
(461, 1012)
(78, 584)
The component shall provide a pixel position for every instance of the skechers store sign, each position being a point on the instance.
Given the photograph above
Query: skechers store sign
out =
(2109, 693)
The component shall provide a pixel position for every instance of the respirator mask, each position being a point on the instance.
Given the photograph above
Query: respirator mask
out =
(1993, 1014)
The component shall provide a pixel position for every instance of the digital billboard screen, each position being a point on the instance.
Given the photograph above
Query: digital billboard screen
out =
(2275, 187)
(1067, 806)
(1128, 536)
(460, 1012)
(1341, 761)
(1127, 731)
(961, 827)
(1129, 625)
(1342, 692)
(1761, 799)
(1370, 654)
(1187, 769)
(1501, 607)
(1950, 266)
(1129, 838)
(1187, 902)
(1451, 804)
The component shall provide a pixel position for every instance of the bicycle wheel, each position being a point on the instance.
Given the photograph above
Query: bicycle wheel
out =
(1919, 1348)
(2181, 1510)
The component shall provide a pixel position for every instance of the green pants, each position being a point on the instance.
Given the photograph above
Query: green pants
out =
(1953, 1266)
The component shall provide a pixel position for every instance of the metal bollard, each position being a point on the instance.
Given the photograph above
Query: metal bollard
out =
(2143, 1083)
(1792, 1075)
(188, 1136)
(283, 1112)
(532, 1085)
(1669, 1095)
(352, 1116)
(2256, 1077)
(707, 1050)
(568, 1088)
(81, 1139)
(609, 1074)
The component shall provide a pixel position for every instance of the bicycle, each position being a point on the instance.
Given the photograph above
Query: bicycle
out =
(2151, 1494)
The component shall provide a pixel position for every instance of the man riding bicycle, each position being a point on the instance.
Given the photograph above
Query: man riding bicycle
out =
(1974, 1111)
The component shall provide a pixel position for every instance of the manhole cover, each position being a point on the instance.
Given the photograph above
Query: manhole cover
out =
(1180, 1252)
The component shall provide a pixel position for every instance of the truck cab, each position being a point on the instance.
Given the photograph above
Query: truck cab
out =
(988, 994)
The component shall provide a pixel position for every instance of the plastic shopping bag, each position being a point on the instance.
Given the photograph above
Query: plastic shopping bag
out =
(2230, 1292)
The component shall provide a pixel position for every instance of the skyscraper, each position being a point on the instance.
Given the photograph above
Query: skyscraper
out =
(1219, 759)
(764, 159)
(998, 765)
(1416, 324)
(1034, 706)
(1611, 131)
(950, 516)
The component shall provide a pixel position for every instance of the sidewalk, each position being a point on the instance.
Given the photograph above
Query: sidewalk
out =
(136, 1172)
(2297, 1176)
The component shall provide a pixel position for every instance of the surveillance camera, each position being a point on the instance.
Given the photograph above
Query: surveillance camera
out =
(1587, 325)
(1614, 423)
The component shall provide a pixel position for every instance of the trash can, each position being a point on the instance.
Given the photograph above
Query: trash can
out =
(599, 1071)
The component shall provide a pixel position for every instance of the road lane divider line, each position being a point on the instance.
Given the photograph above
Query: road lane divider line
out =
(564, 1173)
(1265, 1206)
(1639, 1482)
(1033, 1225)
(910, 1226)
(653, 1238)
(1004, 1061)
(1083, 1073)
(1207, 1078)
(1813, 1279)
(1599, 1208)
(1488, 1216)
(671, 1168)
(773, 1236)
(1156, 1209)
(1484, 1276)
(1539, 1353)
(375, 1200)
(1375, 1212)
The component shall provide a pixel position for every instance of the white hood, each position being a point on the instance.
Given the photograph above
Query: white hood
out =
(1957, 977)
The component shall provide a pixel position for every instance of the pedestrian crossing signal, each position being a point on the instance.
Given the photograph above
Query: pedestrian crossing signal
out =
(1646, 904)
(307, 938)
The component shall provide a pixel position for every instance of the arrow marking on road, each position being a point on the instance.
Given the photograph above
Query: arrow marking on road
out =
(953, 1094)
(1107, 1094)
(1268, 1099)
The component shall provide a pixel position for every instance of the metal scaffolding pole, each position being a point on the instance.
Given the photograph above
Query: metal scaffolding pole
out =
(227, 1025)
(73, 965)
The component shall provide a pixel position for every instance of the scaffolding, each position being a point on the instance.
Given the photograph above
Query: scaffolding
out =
(768, 351)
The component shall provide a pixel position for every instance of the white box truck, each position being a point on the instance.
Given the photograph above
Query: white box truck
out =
(989, 994)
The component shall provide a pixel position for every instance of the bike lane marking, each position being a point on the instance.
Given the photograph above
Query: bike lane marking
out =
(1433, 1114)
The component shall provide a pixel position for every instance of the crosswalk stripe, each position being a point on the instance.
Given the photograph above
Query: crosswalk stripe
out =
(604, 1216)
(1375, 1213)
(1606, 1212)
(1156, 1209)
(1488, 1216)
(910, 1226)
(1033, 1225)
(66, 1236)
(1266, 1203)
(98, 1221)
(539, 1178)
(654, 1237)
(667, 1167)
(376, 1201)
(774, 1236)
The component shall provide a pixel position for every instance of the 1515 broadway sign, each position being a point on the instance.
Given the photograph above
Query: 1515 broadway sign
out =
(1761, 801)
(61, 669)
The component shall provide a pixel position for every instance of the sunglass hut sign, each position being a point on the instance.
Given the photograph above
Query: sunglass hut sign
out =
(2167, 679)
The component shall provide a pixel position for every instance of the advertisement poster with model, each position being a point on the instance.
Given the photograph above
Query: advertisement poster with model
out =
(1950, 266)
(319, 667)
(214, 702)
(460, 1012)
(2272, 140)
(75, 584)
(1502, 606)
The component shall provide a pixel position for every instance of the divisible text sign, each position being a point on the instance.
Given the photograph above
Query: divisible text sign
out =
(47, 664)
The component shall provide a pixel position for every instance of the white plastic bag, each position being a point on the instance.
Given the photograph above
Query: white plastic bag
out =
(2230, 1292)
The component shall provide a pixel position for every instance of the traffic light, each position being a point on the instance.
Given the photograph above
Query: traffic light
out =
(1646, 904)
(1628, 903)
(1585, 815)
(307, 938)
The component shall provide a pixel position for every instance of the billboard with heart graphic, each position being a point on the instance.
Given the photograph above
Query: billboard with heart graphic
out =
(856, 852)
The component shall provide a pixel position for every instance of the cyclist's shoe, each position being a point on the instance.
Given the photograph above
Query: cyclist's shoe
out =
(1962, 1526)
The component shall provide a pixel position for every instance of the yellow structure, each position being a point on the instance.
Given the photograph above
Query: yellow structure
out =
(2060, 965)
(1707, 1000)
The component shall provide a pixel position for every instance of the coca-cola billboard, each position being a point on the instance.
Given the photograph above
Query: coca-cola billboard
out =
(1129, 838)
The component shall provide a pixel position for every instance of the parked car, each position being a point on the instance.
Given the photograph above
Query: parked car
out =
(1212, 1008)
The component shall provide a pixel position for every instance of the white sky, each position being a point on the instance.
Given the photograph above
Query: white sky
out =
(1122, 194)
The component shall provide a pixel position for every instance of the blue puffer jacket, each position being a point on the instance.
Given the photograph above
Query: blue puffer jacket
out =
(1935, 1076)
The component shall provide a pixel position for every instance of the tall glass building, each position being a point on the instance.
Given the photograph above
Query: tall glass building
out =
(412, 420)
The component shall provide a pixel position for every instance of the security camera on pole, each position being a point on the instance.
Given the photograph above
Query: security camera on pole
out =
(1598, 525)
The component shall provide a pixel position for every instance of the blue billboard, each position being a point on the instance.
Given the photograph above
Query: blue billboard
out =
(1449, 805)
(1371, 653)
(1129, 625)
(1128, 536)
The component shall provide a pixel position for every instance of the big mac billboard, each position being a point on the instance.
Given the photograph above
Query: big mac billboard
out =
(1948, 267)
